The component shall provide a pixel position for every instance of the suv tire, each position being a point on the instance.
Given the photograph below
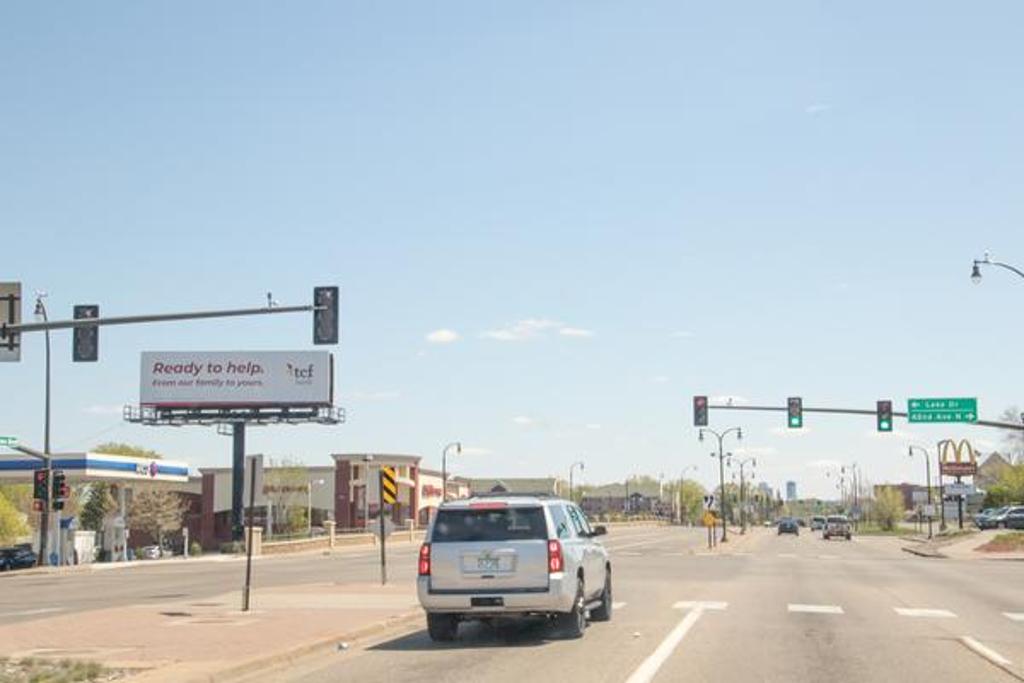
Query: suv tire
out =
(603, 612)
(442, 627)
(574, 622)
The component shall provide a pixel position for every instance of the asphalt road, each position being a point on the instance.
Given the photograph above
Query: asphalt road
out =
(775, 609)
(26, 596)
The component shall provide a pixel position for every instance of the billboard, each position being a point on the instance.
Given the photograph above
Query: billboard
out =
(236, 379)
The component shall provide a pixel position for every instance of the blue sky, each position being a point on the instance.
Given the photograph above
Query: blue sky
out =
(614, 206)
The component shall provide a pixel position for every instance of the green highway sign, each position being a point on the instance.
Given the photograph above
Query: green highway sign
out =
(942, 410)
(8, 441)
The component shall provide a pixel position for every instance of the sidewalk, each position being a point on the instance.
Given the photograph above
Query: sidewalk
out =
(201, 641)
(959, 547)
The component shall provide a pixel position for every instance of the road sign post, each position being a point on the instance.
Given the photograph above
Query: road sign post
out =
(942, 410)
(388, 496)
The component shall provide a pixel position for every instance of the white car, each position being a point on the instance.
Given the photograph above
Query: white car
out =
(509, 555)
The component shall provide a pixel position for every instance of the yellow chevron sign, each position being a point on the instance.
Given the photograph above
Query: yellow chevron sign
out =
(388, 485)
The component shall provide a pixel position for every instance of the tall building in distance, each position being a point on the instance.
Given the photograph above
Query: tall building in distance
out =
(790, 490)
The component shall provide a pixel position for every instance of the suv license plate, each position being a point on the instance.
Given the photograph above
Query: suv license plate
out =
(487, 564)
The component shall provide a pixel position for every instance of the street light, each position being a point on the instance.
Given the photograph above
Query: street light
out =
(721, 467)
(457, 445)
(987, 261)
(578, 463)
(367, 459)
(752, 461)
(309, 503)
(928, 479)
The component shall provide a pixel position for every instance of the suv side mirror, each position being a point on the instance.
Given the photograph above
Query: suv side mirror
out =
(599, 531)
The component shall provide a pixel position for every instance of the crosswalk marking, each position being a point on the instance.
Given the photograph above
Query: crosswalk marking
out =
(816, 609)
(618, 605)
(986, 652)
(926, 613)
(1014, 616)
(700, 604)
(789, 556)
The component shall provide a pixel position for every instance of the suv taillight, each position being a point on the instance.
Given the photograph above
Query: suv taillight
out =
(424, 564)
(555, 563)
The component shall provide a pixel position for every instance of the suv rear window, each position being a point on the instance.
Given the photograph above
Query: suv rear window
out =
(504, 524)
(836, 520)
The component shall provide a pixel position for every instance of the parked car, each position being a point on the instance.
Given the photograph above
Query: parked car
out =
(788, 525)
(512, 556)
(996, 519)
(817, 523)
(150, 552)
(980, 517)
(837, 525)
(18, 557)
(1012, 517)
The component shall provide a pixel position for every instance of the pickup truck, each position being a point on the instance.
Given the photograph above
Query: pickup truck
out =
(837, 525)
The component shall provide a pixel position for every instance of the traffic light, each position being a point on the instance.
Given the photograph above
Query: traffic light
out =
(40, 484)
(700, 411)
(883, 412)
(60, 489)
(85, 346)
(796, 412)
(325, 315)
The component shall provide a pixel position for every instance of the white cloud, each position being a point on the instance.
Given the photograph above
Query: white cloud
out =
(817, 108)
(660, 379)
(104, 409)
(730, 399)
(443, 336)
(524, 420)
(575, 332)
(593, 425)
(521, 330)
(681, 334)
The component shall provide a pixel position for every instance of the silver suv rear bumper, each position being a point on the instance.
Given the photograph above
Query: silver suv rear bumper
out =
(557, 597)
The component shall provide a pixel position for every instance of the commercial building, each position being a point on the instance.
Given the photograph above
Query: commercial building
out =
(791, 490)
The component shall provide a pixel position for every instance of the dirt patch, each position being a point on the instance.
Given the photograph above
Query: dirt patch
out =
(36, 669)
(1004, 543)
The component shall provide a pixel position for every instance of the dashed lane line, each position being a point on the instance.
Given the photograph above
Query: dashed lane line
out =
(650, 666)
(1014, 616)
(924, 613)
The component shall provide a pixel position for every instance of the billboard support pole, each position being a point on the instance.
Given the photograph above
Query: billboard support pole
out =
(238, 479)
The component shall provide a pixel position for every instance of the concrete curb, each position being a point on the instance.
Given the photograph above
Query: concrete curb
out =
(923, 553)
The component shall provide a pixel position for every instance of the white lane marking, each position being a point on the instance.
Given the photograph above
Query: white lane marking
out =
(926, 613)
(828, 557)
(637, 544)
(986, 652)
(788, 556)
(1014, 616)
(631, 554)
(649, 667)
(815, 609)
(700, 604)
(675, 554)
(618, 605)
(29, 612)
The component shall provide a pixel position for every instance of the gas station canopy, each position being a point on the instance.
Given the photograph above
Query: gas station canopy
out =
(97, 466)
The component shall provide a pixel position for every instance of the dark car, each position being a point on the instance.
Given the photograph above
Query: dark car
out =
(1013, 518)
(18, 557)
(789, 526)
(989, 519)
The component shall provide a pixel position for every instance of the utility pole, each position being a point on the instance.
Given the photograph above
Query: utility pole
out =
(721, 468)
(928, 479)
(44, 520)
(743, 507)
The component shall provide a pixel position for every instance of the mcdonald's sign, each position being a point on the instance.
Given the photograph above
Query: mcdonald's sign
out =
(958, 465)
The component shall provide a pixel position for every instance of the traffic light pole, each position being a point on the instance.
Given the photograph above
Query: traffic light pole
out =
(44, 520)
(857, 411)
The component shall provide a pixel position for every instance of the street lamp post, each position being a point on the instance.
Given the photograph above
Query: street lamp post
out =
(309, 503)
(987, 261)
(721, 467)
(928, 478)
(44, 520)
(578, 463)
(743, 506)
(367, 459)
(457, 445)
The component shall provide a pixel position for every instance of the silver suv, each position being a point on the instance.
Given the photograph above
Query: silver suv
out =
(509, 555)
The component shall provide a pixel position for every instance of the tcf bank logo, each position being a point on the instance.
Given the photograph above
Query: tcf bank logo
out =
(301, 375)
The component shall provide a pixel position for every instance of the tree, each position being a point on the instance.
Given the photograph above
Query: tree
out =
(285, 486)
(691, 499)
(1014, 439)
(117, 448)
(156, 511)
(1008, 489)
(99, 502)
(888, 508)
(12, 522)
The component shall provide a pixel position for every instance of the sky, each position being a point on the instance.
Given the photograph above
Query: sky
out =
(552, 223)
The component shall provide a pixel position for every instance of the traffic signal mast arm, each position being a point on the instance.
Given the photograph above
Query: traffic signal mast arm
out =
(858, 411)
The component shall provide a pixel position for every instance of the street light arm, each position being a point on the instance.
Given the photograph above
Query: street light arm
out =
(988, 262)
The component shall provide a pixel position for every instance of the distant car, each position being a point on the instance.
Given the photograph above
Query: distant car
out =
(18, 557)
(817, 523)
(837, 525)
(981, 516)
(150, 552)
(789, 526)
(987, 519)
